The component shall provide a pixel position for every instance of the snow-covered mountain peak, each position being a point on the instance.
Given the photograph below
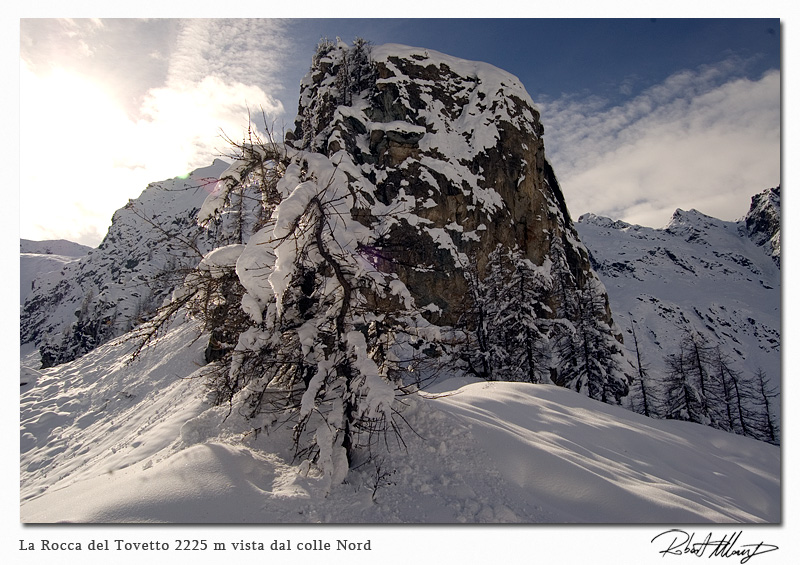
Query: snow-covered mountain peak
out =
(604, 222)
(151, 243)
(60, 247)
(694, 225)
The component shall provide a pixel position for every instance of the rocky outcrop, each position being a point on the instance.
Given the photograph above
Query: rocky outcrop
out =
(414, 187)
(414, 192)
(460, 144)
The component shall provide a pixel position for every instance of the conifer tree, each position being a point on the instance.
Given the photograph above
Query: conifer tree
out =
(506, 305)
(562, 332)
(682, 397)
(693, 389)
(697, 361)
(731, 406)
(481, 352)
(520, 319)
(764, 424)
(585, 355)
(643, 396)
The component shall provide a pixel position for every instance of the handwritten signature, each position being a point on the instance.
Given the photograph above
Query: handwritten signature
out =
(683, 543)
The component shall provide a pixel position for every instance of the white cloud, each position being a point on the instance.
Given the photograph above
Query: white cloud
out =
(82, 157)
(237, 51)
(701, 139)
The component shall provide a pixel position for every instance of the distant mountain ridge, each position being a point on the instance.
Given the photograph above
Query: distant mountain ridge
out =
(40, 258)
(719, 278)
(61, 247)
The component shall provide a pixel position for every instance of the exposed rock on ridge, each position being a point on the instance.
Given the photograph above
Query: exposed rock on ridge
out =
(763, 222)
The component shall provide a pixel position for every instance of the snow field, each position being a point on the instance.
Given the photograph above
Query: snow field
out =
(109, 442)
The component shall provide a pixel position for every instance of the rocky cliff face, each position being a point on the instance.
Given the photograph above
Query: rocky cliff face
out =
(414, 192)
(763, 222)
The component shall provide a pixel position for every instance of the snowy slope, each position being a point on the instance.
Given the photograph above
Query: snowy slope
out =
(106, 441)
(33, 266)
(698, 272)
(39, 258)
(109, 289)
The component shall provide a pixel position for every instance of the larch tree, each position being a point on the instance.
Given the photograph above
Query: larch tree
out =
(765, 425)
(643, 396)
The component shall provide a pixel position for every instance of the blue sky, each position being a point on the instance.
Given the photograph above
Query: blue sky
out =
(558, 56)
(641, 116)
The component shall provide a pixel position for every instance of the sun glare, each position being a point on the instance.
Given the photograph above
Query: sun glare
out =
(82, 157)
(70, 126)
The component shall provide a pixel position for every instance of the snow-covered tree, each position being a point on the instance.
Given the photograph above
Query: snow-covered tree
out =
(355, 72)
(506, 319)
(521, 319)
(597, 365)
(515, 338)
(588, 358)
